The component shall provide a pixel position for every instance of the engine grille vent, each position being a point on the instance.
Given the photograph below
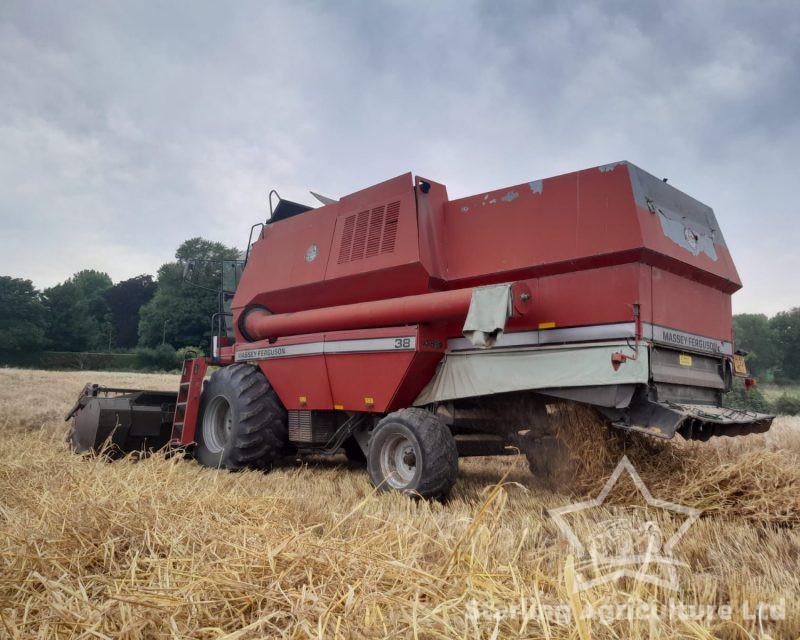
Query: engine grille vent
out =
(307, 427)
(369, 233)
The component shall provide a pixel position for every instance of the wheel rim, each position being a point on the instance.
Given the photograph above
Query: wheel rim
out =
(398, 461)
(217, 424)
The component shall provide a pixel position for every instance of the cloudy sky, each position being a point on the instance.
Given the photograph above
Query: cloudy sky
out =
(127, 128)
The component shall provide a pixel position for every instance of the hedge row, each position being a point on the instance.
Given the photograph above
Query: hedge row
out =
(754, 400)
(162, 358)
(69, 360)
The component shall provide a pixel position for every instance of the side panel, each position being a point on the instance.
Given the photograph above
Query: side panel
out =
(295, 367)
(430, 220)
(366, 370)
(467, 375)
(278, 261)
(364, 247)
(542, 226)
(592, 297)
(680, 303)
(681, 232)
(375, 229)
(595, 296)
(387, 377)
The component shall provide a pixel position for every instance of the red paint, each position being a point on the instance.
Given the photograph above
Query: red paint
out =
(392, 379)
(427, 307)
(297, 377)
(184, 422)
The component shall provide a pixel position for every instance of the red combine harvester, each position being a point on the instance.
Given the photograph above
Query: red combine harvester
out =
(402, 327)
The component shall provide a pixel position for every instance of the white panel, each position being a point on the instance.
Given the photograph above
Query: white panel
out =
(464, 375)
(397, 343)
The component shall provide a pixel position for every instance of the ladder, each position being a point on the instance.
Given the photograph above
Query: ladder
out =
(185, 420)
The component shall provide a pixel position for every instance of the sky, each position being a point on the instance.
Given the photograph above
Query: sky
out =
(126, 128)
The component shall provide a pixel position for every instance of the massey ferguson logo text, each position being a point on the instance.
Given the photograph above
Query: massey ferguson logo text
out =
(256, 354)
(693, 342)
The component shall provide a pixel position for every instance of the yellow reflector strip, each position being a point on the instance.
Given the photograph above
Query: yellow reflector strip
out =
(338, 407)
(547, 325)
(303, 399)
(369, 400)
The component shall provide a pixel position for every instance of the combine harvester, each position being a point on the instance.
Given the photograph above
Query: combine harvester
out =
(403, 327)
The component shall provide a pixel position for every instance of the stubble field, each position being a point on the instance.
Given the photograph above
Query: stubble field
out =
(164, 548)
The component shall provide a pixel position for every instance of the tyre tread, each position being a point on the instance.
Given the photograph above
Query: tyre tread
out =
(261, 434)
(440, 456)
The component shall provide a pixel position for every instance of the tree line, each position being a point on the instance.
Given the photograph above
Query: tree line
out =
(88, 312)
(772, 344)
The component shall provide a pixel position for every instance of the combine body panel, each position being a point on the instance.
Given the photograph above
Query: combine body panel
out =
(606, 286)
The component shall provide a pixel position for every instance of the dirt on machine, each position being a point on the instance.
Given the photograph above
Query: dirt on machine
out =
(405, 329)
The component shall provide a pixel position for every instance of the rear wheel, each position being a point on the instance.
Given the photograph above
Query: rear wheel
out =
(241, 422)
(414, 452)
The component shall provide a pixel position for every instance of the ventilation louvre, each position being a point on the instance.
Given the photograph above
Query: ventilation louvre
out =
(369, 233)
(375, 231)
(390, 228)
(347, 239)
(360, 237)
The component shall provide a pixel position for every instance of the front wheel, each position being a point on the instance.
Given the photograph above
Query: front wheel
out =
(241, 422)
(414, 452)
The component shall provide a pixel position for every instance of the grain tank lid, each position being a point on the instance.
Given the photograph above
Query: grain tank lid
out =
(489, 309)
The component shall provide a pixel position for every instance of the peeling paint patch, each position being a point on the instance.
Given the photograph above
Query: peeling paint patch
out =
(682, 235)
(610, 167)
(536, 186)
(510, 196)
(493, 201)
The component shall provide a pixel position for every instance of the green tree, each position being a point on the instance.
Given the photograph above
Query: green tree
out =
(22, 315)
(92, 286)
(77, 313)
(753, 334)
(124, 300)
(785, 328)
(179, 312)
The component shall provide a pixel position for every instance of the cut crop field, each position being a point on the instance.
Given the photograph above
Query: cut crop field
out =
(160, 547)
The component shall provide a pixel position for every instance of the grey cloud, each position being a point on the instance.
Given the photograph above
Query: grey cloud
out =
(146, 123)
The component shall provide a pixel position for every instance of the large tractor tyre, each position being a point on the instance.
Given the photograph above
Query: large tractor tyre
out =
(414, 452)
(241, 423)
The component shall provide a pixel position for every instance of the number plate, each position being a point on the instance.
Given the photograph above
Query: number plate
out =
(684, 360)
(739, 365)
